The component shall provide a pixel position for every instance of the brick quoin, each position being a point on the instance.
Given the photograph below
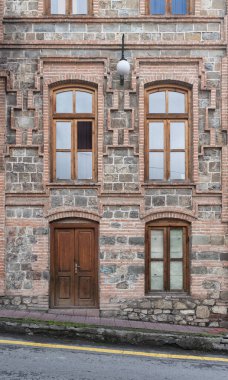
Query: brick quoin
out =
(38, 53)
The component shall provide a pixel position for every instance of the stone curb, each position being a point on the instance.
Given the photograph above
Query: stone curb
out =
(187, 341)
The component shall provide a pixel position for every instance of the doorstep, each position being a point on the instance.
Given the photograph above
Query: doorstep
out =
(76, 312)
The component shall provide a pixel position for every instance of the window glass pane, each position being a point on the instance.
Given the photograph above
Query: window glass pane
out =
(176, 243)
(80, 7)
(156, 135)
(157, 102)
(179, 7)
(177, 165)
(84, 165)
(58, 7)
(157, 7)
(64, 102)
(63, 165)
(176, 275)
(156, 244)
(177, 135)
(176, 102)
(83, 102)
(156, 165)
(84, 135)
(63, 135)
(157, 276)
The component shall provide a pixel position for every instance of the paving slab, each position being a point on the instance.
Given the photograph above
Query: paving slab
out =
(92, 318)
(114, 330)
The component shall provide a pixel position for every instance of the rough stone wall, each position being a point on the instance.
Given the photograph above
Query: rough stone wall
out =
(21, 7)
(190, 50)
(121, 171)
(210, 170)
(168, 197)
(167, 309)
(24, 171)
(78, 197)
(140, 32)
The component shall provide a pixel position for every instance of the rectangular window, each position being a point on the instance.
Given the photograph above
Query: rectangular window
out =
(69, 7)
(170, 7)
(167, 262)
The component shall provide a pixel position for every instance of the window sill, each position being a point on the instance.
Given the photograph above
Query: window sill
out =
(168, 184)
(73, 184)
(168, 295)
(61, 16)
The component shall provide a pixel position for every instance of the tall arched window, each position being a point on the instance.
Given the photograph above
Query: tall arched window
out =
(167, 256)
(167, 133)
(74, 133)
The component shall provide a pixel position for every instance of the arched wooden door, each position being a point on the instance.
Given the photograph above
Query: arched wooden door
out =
(74, 265)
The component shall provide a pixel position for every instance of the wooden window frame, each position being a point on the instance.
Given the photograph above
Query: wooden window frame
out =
(166, 225)
(166, 118)
(168, 9)
(74, 118)
(69, 9)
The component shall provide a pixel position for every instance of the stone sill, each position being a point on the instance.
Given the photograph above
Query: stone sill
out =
(94, 44)
(95, 19)
(125, 194)
(167, 295)
(26, 194)
(168, 184)
(73, 184)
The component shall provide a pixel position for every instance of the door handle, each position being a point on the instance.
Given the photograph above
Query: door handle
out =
(76, 267)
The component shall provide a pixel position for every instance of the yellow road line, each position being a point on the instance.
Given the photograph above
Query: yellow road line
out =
(115, 352)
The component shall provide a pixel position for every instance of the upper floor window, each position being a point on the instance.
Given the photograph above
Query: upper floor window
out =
(167, 134)
(169, 7)
(74, 133)
(69, 7)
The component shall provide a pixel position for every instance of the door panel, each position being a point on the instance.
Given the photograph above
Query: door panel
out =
(85, 288)
(74, 261)
(64, 287)
(85, 250)
(86, 272)
(64, 261)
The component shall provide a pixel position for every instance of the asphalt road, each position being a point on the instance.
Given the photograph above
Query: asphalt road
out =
(44, 359)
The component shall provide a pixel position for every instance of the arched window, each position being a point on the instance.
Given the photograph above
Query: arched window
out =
(167, 257)
(167, 133)
(69, 7)
(74, 133)
(169, 7)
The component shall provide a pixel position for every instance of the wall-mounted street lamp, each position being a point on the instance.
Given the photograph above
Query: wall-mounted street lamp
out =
(123, 66)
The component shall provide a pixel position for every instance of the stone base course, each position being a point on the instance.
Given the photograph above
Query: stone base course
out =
(181, 311)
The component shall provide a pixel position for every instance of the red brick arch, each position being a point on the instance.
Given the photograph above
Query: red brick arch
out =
(63, 212)
(170, 213)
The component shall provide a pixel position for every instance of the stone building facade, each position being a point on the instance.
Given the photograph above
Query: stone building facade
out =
(123, 208)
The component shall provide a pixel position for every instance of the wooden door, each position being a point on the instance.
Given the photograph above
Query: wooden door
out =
(74, 265)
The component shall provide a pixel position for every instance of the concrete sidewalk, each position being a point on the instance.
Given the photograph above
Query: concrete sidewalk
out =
(88, 325)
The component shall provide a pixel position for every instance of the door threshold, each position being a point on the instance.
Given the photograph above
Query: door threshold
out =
(76, 312)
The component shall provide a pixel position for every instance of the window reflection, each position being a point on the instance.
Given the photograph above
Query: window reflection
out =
(58, 7)
(64, 102)
(80, 7)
